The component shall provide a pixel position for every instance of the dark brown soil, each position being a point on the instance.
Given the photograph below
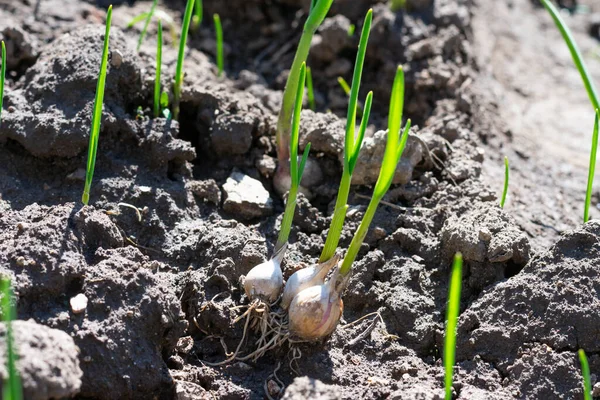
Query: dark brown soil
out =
(484, 80)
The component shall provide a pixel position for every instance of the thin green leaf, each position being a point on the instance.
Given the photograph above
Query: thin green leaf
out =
(145, 28)
(11, 390)
(351, 30)
(284, 119)
(164, 100)
(575, 53)
(361, 133)
(198, 14)
(585, 373)
(313, 3)
(592, 169)
(157, 88)
(451, 323)
(219, 35)
(296, 128)
(344, 85)
(97, 113)
(187, 17)
(303, 162)
(309, 86)
(138, 18)
(506, 176)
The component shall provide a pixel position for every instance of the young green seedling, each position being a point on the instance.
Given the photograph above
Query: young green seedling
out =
(219, 37)
(309, 87)
(451, 322)
(164, 105)
(146, 23)
(575, 53)
(344, 85)
(319, 9)
(12, 389)
(352, 144)
(97, 113)
(157, 88)
(351, 30)
(2, 77)
(160, 15)
(264, 282)
(591, 170)
(505, 190)
(187, 17)
(315, 311)
(585, 372)
(198, 13)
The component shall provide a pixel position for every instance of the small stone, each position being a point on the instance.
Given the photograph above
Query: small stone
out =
(78, 303)
(379, 233)
(144, 189)
(596, 390)
(21, 262)
(273, 388)
(266, 165)
(485, 234)
(22, 227)
(11, 109)
(184, 344)
(116, 59)
(77, 175)
(246, 197)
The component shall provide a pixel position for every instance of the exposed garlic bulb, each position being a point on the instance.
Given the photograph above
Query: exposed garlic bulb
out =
(305, 278)
(264, 282)
(315, 312)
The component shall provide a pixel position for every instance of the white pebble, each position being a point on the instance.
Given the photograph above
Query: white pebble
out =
(78, 303)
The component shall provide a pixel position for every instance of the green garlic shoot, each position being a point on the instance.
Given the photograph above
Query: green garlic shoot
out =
(309, 87)
(11, 389)
(393, 151)
(219, 37)
(352, 144)
(97, 113)
(157, 88)
(180, 56)
(451, 323)
(296, 169)
(585, 373)
(591, 170)
(506, 176)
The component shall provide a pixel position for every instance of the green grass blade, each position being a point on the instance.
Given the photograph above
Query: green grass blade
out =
(451, 323)
(506, 176)
(187, 17)
(303, 162)
(351, 30)
(157, 88)
(145, 28)
(198, 14)
(575, 53)
(591, 170)
(219, 35)
(309, 86)
(11, 390)
(295, 169)
(313, 3)
(350, 148)
(137, 19)
(97, 113)
(2, 78)
(284, 119)
(585, 372)
(361, 133)
(344, 85)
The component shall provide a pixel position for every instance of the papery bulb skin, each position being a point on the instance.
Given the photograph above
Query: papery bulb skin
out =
(264, 282)
(305, 278)
(315, 312)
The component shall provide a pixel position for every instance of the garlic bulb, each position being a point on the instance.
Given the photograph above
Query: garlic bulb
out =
(264, 282)
(305, 278)
(315, 312)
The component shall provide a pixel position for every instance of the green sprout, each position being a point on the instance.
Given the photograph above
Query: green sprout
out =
(393, 151)
(352, 144)
(11, 390)
(451, 322)
(575, 53)
(164, 105)
(592, 168)
(505, 190)
(187, 17)
(219, 35)
(319, 9)
(296, 169)
(585, 372)
(97, 114)
(344, 85)
(198, 13)
(2, 77)
(157, 89)
(309, 86)
(351, 30)
(146, 23)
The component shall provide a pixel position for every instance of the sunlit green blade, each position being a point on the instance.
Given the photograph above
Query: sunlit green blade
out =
(157, 89)
(180, 57)
(451, 323)
(145, 28)
(506, 177)
(592, 169)
(219, 36)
